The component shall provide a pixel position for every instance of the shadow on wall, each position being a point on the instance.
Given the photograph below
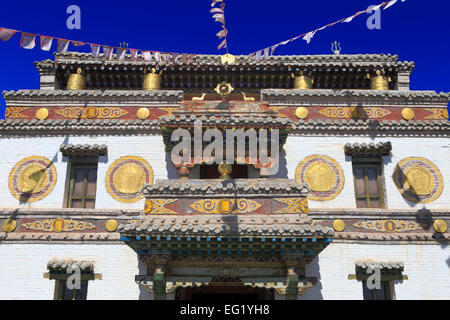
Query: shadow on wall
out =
(313, 270)
(172, 172)
(143, 294)
(282, 169)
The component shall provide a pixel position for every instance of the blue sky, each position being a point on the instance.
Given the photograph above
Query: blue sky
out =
(415, 30)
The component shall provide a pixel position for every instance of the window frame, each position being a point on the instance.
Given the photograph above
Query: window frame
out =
(86, 166)
(386, 286)
(365, 164)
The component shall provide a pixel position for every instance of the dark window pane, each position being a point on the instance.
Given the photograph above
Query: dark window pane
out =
(359, 181)
(76, 203)
(75, 294)
(367, 294)
(361, 203)
(89, 204)
(91, 182)
(372, 177)
(78, 182)
(375, 203)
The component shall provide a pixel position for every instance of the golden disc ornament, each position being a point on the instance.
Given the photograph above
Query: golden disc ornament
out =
(440, 226)
(408, 114)
(42, 114)
(126, 177)
(323, 175)
(111, 225)
(301, 113)
(338, 225)
(418, 180)
(32, 179)
(9, 225)
(143, 113)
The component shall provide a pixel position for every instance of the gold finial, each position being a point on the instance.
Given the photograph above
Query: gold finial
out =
(76, 81)
(380, 81)
(225, 170)
(336, 47)
(302, 82)
(152, 81)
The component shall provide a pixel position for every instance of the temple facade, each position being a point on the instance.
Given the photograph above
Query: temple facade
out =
(353, 191)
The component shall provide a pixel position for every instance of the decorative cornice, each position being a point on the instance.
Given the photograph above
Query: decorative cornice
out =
(396, 265)
(217, 187)
(275, 96)
(216, 225)
(61, 265)
(45, 67)
(384, 59)
(368, 150)
(85, 150)
(224, 120)
(141, 96)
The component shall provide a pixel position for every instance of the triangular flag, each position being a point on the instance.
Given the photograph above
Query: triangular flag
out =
(309, 36)
(95, 48)
(78, 43)
(222, 44)
(147, 55)
(6, 34)
(108, 51)
(63, 45)
(258, 55)
(216, 10)
(157, 56)
(27, 41)
(121, 53)
(46, 43)
(134, 54)
(266, 52)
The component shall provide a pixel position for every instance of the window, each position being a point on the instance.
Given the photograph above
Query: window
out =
(368, 185)
(83, 186)
(384, 293)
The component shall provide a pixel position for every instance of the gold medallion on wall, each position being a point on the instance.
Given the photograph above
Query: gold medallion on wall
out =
(418, 180)
(323, 175)
(32, 179)
(126, 177)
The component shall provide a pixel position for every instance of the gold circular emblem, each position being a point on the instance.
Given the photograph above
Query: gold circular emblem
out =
(42, 114)
(126, 177)
(9, 225)
(91, 112)
(440, 226)
(408, 114)
(58, 225)
(301, 112)
(338, 225)
(323, 175)
(111, 225)
(355, 112)
(320, 177)
(32, 179)
(418, 180)
(129, 178)
(143, 113)
(225, 206)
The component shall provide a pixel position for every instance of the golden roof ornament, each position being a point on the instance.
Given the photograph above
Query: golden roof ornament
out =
(228, 59)
(302, 82)
(336, 47)
(152, 81)
(380, 81)
(76, 81)
(224, 89)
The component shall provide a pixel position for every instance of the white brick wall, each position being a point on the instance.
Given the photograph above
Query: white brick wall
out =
(151, 148)
(436, 150)
(22, 267)
(427, 268)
